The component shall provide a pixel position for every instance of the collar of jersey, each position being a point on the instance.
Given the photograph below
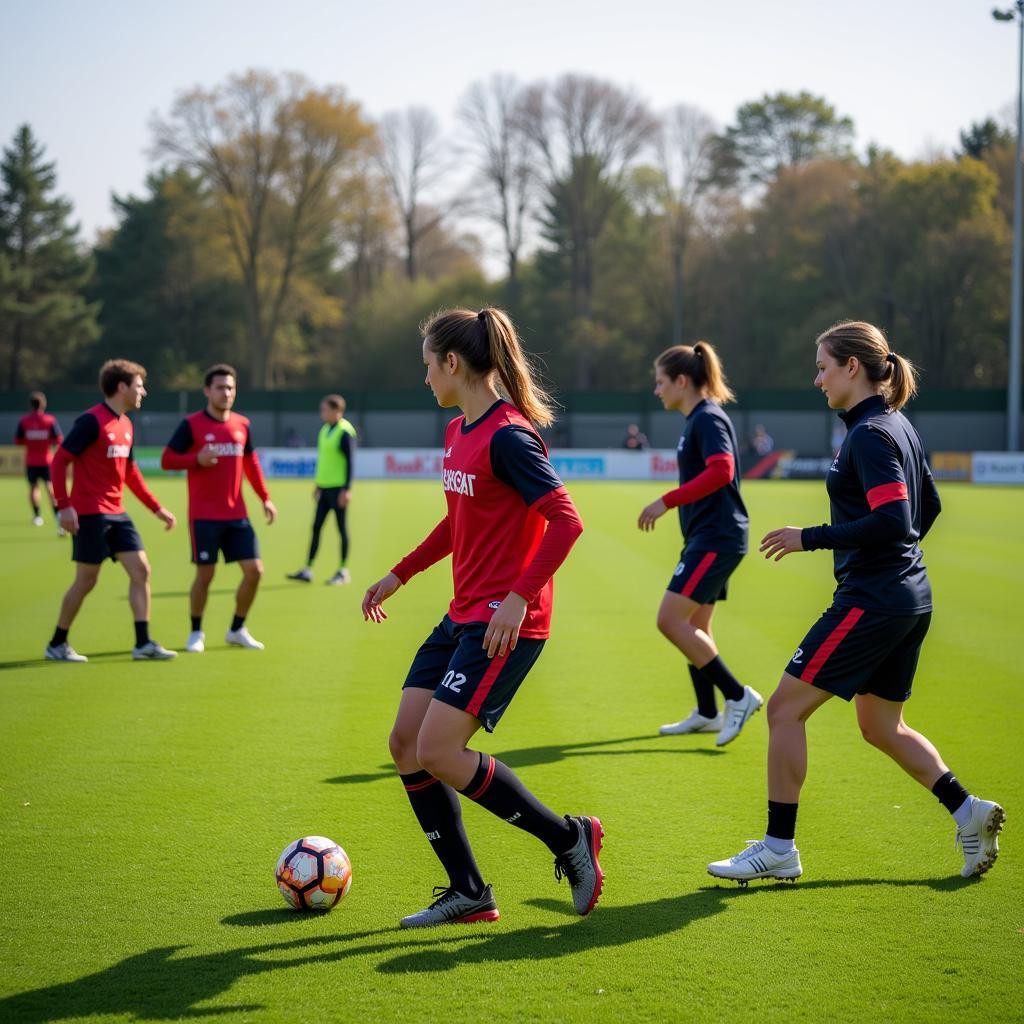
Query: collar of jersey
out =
(206, 413)
(467, 427)
(111, 411)
(870, 406)
(698, 406)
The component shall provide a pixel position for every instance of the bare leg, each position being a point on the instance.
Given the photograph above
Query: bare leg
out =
(252, 573)
(200, 592)
(402, 742)
(137, 566)
(86, 576)
(881, 724)
(682, 622)
(441, 746)
(789, 707)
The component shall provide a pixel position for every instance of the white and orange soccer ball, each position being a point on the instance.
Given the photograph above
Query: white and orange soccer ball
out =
(313, 873)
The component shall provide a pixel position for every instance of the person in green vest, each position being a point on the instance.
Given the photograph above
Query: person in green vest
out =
(335, 454)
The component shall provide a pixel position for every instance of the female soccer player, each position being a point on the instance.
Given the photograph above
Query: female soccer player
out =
(509, 525)
(866, 646)
(714, 522)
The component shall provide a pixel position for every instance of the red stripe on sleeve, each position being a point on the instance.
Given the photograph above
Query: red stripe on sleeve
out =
(832, 641)
(884, 493)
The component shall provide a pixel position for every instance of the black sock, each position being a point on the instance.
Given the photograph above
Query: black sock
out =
(716, 673)
(35, 509)
(59, 637)
(437, 809)
(705, 692)
(496, 787)
(237, 622)
(197, 623)
(781, 820)
(141, 633)
(950, 793)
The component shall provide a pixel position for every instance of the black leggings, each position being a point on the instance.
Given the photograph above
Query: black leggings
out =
(328, 501)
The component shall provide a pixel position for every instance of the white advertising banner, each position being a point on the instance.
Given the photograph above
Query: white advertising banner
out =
(425, 463)
(997, 468)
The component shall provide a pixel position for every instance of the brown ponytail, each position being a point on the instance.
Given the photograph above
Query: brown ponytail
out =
(896, 375)
(489, 343)
(701, 364)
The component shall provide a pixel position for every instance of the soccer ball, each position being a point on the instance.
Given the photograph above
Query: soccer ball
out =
(313, 873)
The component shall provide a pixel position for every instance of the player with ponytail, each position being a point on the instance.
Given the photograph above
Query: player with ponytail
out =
(865, 647)
(713, 519)
(509, 525)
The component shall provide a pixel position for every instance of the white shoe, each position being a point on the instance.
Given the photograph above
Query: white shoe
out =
(736, 714)
(695, 723)
(979, 838)
(241, 637)
(152, 651)
(758, 861)
(196, 642)
(63, 652)
(37, 521)
(341, 576)
(61, 532)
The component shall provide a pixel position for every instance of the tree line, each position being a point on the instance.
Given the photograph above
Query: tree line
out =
(285, 230)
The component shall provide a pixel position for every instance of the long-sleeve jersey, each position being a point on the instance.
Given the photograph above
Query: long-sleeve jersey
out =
(215, 491)
(883, 501)
(100, 447)
(712, 515)
(39, 432)
(510, 521)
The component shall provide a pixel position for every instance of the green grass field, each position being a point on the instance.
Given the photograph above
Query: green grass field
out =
(143, 806)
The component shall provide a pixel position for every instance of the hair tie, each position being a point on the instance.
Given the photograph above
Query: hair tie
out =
(890, 357)
(481, 315)
(698, 352)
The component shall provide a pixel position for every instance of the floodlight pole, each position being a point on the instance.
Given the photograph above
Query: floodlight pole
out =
(1013, 383)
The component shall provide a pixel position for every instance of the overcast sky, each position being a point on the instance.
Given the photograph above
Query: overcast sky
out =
(88, 75)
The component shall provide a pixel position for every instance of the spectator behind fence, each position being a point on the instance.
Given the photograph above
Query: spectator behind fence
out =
(635, 439)
(761, 441)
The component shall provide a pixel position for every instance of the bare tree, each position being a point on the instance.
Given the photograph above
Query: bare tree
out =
(685, 148)
(490, 112)
(412, 161)
(275, 151)
(585, 133)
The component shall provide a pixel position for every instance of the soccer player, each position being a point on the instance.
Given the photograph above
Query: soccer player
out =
(38, 431)
(215, 449)
(713, 518)
(335, 451)
(100, 448)
(866, 646)
(508, 527)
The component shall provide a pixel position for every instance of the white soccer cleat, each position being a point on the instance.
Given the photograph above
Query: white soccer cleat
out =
(341, 576)
(758, 861)
(979, 838)
(241, 637)
(695, 723)
(63, 652)
(37, 520)
(736, 714)
(152, 651)
(196, 642)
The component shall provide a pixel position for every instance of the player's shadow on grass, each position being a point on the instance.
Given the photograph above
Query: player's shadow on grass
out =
(221, 590)
(527, 757)
(160, 984)
(93, 656)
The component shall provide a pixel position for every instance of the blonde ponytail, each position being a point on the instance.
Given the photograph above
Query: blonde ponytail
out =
(895, 374)
(701, 364)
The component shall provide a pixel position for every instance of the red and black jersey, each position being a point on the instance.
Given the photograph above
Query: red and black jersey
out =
(39, 432)
(715, 519)
(510, 521)
(215, 491)
(883, 501)
(100, 448)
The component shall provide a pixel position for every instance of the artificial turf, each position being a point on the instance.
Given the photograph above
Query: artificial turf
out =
(143, 806)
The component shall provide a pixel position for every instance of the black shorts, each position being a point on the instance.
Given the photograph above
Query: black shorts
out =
(329, 497)
(235, 537)
(703, 576)
(34, 473)
(852, 650)
(453, 663)
(102, 536)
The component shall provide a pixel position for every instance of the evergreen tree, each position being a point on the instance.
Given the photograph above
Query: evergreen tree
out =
(44, 318)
